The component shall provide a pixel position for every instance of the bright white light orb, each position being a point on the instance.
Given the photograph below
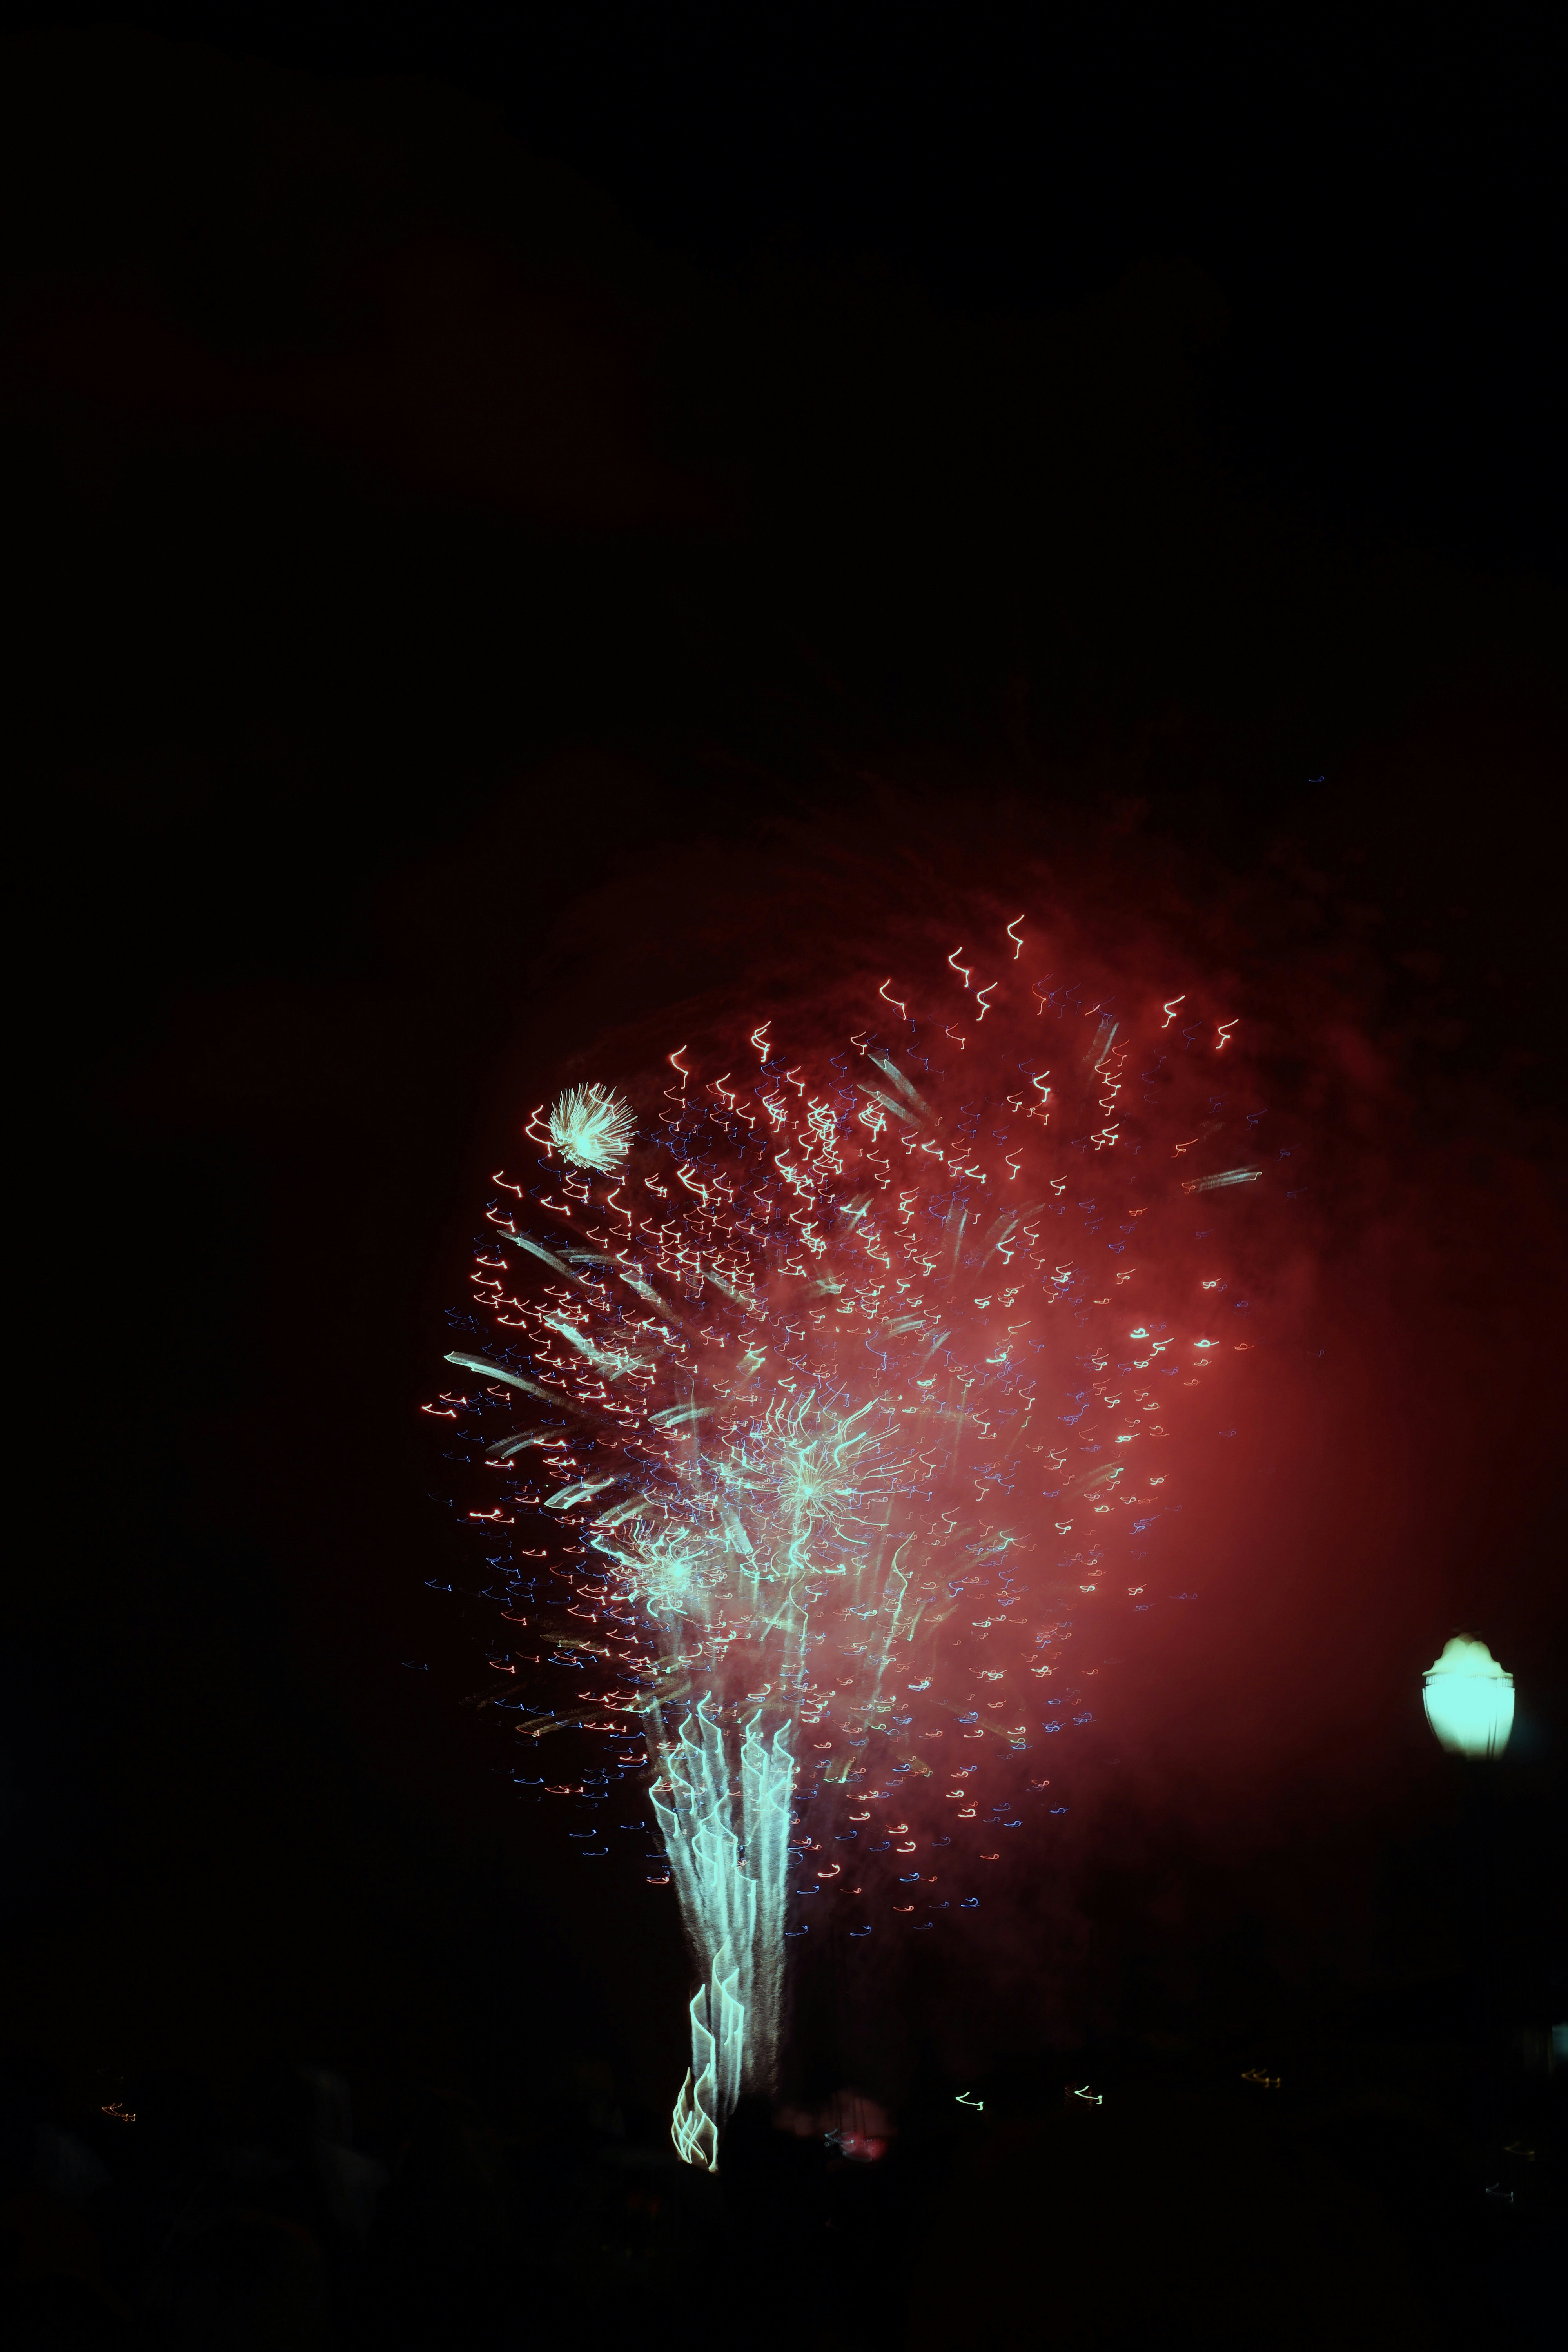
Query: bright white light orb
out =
(592, 1128)
(1469, 1699)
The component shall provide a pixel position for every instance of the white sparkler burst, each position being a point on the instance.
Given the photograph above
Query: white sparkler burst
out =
(593, 1127)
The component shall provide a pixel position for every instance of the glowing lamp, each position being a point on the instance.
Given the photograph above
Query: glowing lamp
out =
(1468, 1699)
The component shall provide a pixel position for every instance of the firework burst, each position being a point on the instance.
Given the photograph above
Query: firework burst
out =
(840, 1388)
(592, 1128)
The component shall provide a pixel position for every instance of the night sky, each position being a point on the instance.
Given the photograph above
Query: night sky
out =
(477, 487)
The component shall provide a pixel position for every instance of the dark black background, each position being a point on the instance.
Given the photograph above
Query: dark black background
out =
(452, 459)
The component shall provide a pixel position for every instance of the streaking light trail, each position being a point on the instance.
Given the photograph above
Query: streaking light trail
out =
(826, 1384)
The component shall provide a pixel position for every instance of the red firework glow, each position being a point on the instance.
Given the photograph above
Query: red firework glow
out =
(848, 1379)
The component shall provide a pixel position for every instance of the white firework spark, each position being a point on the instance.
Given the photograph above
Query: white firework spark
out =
(593, 1127)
